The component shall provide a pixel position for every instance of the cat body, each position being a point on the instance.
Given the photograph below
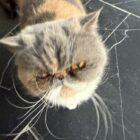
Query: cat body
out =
(59, 52)
(32, 12)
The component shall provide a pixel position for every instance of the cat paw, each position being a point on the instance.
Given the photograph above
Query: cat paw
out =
(72, 107)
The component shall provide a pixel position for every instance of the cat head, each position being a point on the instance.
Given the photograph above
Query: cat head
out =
(68, 54)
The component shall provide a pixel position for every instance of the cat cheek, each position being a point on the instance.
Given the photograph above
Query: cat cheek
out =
(28, 80)
(25, 76)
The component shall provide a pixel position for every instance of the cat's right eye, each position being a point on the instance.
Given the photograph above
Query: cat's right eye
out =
(78, 66)
(75, 68)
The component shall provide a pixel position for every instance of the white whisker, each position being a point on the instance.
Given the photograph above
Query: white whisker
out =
(5, 88)
(26, 101)
(37, 119)
(101, 106)
(14, 28)
(98, 117)
(25, 120)
(27, 128)
(5, 69)
(105, 76)
(47, 107)
(48, 129)
(31, 110)
(6, 135)
(107, 111)
(104, 116)
(30, 115)
(103, 113)
(36, 138)
(16, 106)
(24, 130)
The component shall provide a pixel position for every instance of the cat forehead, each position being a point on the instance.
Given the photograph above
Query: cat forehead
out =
(42, 27)
(53, 32)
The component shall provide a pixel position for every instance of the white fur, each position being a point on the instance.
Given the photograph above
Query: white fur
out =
(84, 91)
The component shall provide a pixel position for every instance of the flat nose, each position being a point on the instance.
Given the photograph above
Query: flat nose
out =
(60, 77)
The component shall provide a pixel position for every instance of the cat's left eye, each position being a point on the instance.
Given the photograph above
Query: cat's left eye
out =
(42, 75)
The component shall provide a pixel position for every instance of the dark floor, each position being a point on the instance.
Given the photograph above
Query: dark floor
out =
(120, 89)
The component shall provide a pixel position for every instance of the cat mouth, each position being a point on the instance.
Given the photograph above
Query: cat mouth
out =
(67, 92)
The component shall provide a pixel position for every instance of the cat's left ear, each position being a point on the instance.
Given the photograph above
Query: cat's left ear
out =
(12, 43)
(15, 43)
(90, 20)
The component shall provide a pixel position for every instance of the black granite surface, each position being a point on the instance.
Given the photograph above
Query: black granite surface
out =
(120, 88)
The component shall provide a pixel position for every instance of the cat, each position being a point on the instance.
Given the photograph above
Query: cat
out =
(58, 52)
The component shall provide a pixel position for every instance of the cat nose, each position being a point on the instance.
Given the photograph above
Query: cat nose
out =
(60, 75)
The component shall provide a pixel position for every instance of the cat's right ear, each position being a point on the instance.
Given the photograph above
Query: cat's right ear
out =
(12, 43)
(91, 20)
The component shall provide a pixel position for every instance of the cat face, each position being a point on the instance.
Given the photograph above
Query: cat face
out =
(67, 56)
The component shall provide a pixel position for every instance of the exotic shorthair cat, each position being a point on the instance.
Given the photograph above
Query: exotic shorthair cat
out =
(58, 52)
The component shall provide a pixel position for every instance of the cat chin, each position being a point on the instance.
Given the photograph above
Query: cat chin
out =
(73, 102)
(72, 106)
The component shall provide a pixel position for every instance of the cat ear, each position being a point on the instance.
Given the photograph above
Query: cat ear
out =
(90, 20)
(17, 42)
(12, 42)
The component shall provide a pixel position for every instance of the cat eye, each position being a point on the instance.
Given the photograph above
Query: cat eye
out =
(42, 75)
(78, 66)
(82, 64)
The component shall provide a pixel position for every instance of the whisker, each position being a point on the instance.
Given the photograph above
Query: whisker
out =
(6, 135)
(38, 115)
(5, 88)
(48, 129)
(105, 114)
(33, 118)
(107, 111)
(5, 69)
(25, 120)
(37, 119)
(31, 111)
(16, 106)
(108, 78)
(14, 28)
(27, 128)
(30, 115)
(47, 107)
(98, 117)
(36, 103)
(34, 135)
(105, 77)
(26, 101)
(24, 130)
(45, 103)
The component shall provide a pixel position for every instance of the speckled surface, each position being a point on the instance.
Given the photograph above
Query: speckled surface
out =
(120, 89)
